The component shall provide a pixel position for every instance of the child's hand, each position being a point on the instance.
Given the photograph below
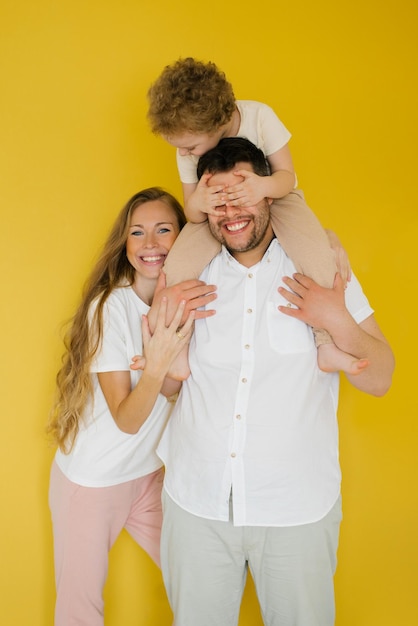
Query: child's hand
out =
(248, 192)
(138, 362)
(204, 201)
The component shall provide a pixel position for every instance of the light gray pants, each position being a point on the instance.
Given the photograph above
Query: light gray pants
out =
(205, 562)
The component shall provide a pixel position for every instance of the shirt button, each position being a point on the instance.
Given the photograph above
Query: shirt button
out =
(250, 275)
(233, 455)
(247, 346)
(238, 417)
(243, 380)
(249, 310)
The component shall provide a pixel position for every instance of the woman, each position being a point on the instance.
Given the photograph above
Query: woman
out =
(107, 418)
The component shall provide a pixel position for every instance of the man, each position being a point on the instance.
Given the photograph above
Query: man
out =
(251, 450)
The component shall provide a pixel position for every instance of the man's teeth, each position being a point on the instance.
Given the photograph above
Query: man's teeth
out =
(236, 226)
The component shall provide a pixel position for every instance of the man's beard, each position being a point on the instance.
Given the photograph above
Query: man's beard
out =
(261, 223)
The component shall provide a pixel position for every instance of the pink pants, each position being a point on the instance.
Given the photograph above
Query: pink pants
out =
(86, 523)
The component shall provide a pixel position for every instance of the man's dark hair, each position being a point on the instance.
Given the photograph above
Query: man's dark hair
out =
(229, 152)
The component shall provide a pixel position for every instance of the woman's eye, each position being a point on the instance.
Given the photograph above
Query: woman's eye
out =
(164, 230)
(137, 233)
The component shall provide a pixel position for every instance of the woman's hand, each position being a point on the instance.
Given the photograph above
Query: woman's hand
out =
(164, 345)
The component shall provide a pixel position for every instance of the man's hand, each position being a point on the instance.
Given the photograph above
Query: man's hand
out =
(315, 305)
(195, 293)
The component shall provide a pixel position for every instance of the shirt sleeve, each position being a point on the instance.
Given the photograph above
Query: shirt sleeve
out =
(261, 125)
(274, 132)
(112, 354)
(187, 166)
(356, 301)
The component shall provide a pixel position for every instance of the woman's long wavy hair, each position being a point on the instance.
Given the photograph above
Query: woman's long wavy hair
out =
(74, 382)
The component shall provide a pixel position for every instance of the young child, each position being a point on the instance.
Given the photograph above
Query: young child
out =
(192, 106)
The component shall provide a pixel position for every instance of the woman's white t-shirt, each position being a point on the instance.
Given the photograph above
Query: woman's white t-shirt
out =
(103, 455)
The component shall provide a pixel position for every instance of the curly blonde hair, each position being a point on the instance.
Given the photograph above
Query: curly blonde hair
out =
(190, 96)
(74, 383)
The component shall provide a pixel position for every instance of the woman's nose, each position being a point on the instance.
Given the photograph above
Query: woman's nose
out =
(150, 241)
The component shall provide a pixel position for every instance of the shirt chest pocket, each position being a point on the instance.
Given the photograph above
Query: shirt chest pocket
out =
(286, 334)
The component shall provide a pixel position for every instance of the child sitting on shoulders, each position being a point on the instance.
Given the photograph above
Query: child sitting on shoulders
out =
(192, 106)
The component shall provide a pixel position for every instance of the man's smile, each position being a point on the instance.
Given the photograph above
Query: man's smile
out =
(236, 226)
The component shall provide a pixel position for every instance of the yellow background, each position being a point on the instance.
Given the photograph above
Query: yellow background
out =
(75, 145)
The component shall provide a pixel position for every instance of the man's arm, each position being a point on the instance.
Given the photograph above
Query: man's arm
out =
(325, 308)
(367, 337)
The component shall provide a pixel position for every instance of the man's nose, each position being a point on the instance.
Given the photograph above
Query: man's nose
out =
(231, 210)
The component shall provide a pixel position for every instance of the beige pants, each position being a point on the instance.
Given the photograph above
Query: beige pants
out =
(297, 229)
(205, 564)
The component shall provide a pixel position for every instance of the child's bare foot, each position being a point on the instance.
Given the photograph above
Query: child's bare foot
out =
(332, 359)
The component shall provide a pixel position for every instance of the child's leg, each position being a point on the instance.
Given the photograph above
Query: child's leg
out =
(304, 240)
(306, 243)
(332, 359)
(193, 249)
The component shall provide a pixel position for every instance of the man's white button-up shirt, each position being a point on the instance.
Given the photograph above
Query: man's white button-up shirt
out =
(256, 417)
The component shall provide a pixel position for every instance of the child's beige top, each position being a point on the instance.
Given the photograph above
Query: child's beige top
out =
(259, 124)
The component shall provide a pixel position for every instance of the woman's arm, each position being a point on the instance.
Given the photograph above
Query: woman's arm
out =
(131, 408)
